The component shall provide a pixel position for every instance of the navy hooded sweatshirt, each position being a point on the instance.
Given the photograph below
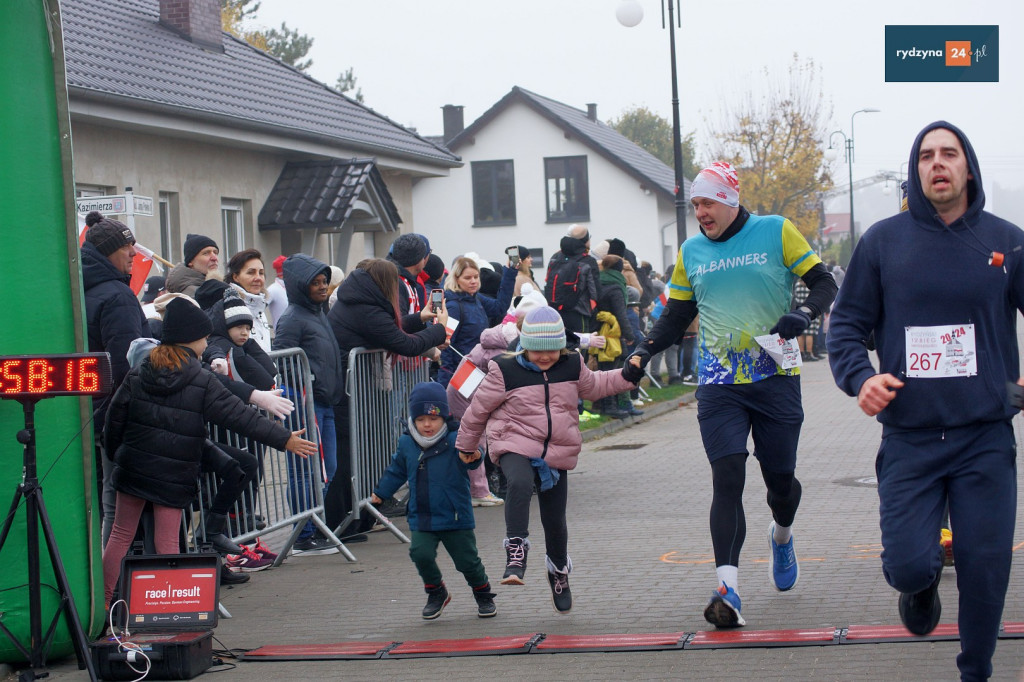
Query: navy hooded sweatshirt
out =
(913, 270)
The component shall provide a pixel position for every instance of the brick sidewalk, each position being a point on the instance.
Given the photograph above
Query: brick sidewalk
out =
(638, 509)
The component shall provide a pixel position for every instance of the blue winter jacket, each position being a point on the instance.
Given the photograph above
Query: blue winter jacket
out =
(439, 497)
(475, 313)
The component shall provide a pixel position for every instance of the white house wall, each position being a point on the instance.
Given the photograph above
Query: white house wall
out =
(618, 205)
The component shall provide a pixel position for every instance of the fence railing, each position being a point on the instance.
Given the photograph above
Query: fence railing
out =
(378, 391)
(288, 491)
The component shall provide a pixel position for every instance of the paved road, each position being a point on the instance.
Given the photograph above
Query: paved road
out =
(638, 507)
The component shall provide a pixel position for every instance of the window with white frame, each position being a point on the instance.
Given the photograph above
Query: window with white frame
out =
(232, 219)
(567, 189)
(167, 210)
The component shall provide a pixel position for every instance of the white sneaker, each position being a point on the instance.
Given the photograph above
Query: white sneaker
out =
(490, 500)
(638, 403)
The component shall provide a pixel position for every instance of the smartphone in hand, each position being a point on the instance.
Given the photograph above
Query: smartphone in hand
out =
(513, 256)
(436, 299)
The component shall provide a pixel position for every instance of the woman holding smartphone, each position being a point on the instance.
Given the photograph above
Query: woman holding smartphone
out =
(519, 258)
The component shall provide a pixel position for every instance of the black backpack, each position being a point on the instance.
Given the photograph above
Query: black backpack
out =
(563, 286)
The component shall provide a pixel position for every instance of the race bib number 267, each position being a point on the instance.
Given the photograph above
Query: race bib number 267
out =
(941, 352)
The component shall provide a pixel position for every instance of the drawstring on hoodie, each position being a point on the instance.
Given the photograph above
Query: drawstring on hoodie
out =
(995, 258)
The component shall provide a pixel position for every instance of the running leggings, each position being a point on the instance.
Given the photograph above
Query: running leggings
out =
(728, 523)
(521, 476)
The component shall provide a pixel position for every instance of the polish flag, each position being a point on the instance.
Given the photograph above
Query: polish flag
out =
(141, 264)
(466, 378)
(450, 327)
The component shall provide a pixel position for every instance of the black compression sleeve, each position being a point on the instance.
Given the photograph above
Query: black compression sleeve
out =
(671, 326)
(823, 289)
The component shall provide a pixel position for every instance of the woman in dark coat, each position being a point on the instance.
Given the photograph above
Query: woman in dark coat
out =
(156, 429)
(366, 315)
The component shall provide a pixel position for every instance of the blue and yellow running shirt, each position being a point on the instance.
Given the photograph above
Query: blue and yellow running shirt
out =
(742, 286)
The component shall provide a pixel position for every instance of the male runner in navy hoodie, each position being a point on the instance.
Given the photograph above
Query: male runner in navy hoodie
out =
(940, 286)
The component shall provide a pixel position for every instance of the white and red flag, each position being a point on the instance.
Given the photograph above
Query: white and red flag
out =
(450, 327)
(466, 378)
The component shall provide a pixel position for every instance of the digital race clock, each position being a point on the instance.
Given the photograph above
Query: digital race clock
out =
(48, 376)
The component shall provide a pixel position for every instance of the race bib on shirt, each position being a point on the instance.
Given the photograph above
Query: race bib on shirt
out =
(941, 352)
(785, 352)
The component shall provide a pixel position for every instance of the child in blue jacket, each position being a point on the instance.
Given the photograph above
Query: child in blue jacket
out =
(440, 506)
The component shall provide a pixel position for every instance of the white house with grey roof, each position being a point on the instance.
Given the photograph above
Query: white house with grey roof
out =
(229, 141)
(534, 166)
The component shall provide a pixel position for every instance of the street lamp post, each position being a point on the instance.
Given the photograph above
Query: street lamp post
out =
(831, 155)
(629, 14)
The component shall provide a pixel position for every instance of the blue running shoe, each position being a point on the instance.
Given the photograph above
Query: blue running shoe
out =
(723, 611)
(782, 564)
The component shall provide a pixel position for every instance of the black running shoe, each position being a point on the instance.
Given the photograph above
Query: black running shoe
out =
(920, 611)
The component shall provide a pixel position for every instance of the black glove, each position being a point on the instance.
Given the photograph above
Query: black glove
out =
(635, 374)
(792, 324)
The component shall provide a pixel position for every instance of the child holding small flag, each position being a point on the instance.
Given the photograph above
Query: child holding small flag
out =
(440, 510)
(527, 405)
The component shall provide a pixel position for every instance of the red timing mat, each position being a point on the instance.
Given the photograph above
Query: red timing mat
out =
(739, 638)
(871, 634)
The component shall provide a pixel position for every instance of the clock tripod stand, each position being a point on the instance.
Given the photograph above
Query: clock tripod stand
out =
(28, 381)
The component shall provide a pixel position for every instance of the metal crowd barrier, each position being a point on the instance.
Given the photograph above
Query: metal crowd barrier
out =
(288, 492)
(378, 391)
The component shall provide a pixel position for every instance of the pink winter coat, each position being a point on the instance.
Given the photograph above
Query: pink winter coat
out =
(493, 342)
(534, 413)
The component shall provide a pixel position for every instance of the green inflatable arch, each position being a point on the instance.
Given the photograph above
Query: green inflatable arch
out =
(41, 311)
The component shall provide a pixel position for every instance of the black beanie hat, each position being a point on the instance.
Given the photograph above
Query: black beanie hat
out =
(524, 252)
(184, 322)
(106, 234)
(194, 243)
(236, 313)
(408, 250)
(617, 247)
(434, 267)
(209, 292)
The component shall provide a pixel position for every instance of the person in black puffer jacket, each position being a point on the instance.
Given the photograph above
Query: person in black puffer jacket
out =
(243, 360)
(367, 315)
(156, 431)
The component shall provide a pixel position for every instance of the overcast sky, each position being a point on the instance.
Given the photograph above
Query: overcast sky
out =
(411, 57)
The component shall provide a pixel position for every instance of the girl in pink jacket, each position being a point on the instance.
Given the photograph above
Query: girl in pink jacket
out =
(527, 404)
